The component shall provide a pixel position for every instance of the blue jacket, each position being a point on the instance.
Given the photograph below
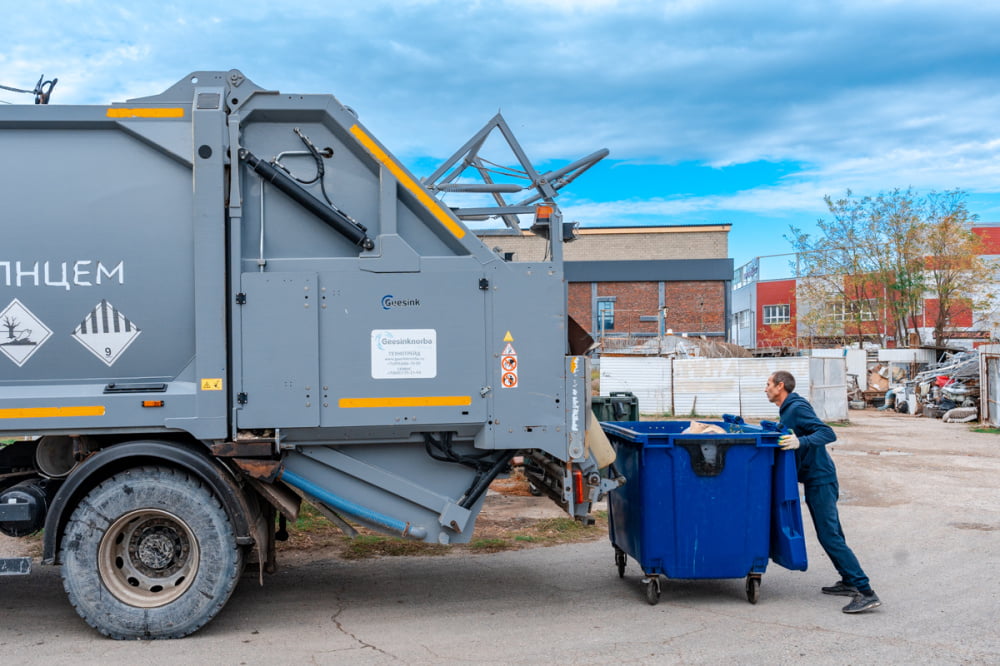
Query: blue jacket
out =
(812, 459)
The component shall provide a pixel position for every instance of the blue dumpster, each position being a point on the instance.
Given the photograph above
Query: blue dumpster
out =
(706, 505)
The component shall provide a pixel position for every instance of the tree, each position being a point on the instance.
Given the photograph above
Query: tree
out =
(956, 269)
(897, 254)
(876, 257)
(861, 264)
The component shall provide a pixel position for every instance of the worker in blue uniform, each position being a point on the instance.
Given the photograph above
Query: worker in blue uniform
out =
(818, 475)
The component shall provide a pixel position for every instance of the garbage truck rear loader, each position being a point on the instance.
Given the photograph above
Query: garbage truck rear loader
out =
(222, 299)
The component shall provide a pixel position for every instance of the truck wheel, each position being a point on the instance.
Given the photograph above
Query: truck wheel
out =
(149, 553)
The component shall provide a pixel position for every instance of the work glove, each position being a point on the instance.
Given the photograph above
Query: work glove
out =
(788, 442)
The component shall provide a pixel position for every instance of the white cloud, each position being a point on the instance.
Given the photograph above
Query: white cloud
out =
(868, 95)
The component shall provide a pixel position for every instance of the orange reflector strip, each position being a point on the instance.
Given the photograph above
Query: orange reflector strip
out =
(51, 412)
(578, 485)
(404, 179)
(152, 403)
(419, 401)
(116, 112)
(544, 212)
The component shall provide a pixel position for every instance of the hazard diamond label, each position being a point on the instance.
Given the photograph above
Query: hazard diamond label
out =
(21, 333)
(106, 332)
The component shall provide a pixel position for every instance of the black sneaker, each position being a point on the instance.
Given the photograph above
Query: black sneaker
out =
(841, 589)
(862, 602)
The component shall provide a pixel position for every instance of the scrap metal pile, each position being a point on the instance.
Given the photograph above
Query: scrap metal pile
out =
(948, 390)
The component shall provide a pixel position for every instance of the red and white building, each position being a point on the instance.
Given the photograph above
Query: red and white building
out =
(770, 314)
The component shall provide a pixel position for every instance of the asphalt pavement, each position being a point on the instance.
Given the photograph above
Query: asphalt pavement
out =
(920, 504)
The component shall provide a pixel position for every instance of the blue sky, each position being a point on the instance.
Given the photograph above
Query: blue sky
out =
(739, 112)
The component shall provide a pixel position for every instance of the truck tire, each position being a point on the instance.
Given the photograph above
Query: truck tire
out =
(149, 553)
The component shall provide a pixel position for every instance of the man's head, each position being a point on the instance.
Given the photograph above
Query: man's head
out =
(779, 385)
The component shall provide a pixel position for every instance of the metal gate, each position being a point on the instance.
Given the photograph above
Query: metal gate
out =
(989, 371)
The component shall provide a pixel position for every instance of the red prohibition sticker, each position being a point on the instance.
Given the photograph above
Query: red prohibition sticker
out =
(508, 363)
(509, 379)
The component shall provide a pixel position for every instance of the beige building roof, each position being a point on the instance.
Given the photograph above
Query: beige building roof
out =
(701, 241)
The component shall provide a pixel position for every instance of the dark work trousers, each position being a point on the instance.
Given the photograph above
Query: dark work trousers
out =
(822, 502)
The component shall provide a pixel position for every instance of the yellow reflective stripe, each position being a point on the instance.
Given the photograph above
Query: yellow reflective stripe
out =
(117, 112)
(415, 188)
(51, 412)
(419, 401)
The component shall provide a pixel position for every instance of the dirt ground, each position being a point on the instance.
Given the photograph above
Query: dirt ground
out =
(511, 519)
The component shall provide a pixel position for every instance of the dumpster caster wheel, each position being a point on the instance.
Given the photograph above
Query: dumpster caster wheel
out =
(652, 590)
(753, 589)
(620, 560)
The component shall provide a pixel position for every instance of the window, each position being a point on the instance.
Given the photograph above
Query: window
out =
(837, 310)
(777, 314)
(743, 319)
(746, 274)
(868, 309)
(853, 311)
(605, 316)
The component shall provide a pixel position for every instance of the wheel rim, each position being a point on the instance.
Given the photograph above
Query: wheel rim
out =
(148, 558)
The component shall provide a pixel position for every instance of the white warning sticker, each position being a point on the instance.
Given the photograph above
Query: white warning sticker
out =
(21, 333)
(508, 367)
(106, 332)
(404, 353)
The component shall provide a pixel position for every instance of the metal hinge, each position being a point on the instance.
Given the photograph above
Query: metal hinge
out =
(241, 398)
(241, 298)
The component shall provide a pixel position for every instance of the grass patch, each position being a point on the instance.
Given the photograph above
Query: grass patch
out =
(559, 525)
(310, 520)
(989, 430)
(840, 424)
(490, 545)
(312, 531)
(366, 546)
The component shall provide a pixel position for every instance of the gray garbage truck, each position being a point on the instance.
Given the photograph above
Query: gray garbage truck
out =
(220, 300)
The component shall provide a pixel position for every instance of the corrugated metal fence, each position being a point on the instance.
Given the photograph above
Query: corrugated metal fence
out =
(713, 386)
(989, 383)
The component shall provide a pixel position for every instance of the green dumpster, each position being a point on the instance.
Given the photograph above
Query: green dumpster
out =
(619, 406)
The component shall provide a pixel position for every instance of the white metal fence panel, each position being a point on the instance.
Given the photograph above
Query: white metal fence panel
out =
(906, 355)
(755, 402)
(648, 377)
(705, 386)
(993, 390)
(708, 385)
(828, 388)
(989, 372)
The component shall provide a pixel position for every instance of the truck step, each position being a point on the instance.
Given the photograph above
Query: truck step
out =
(15, 566)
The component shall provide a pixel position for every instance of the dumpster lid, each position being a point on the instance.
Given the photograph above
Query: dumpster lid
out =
(788, 543)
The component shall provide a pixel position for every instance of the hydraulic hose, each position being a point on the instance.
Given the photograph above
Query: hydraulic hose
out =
(349, 507)
(334, 217)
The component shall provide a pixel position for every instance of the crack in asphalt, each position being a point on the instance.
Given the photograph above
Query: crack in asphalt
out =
(363, 644)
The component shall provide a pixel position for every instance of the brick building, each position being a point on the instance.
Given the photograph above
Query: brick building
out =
(769, 314)
(629, 283)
